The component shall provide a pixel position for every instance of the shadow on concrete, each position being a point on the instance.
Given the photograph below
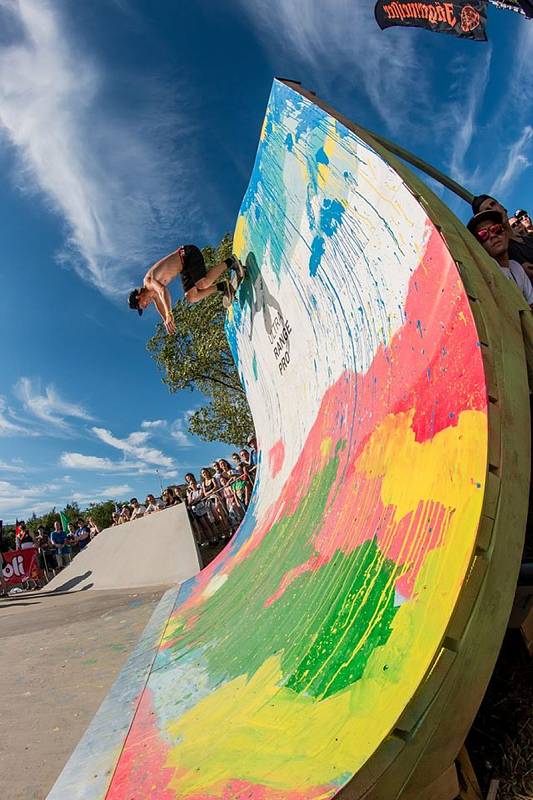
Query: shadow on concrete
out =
(72, 583)
(14, 602)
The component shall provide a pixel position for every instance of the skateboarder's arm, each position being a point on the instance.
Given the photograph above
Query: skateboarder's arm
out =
(163, 303)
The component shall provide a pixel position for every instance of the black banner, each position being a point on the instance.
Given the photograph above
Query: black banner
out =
(464, 19)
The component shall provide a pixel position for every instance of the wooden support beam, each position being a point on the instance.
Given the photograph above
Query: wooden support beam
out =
(467, 777)
(493, 789)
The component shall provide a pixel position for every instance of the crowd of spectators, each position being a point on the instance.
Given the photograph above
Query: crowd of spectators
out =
(216, 503)
(55, 548)
(509, 240)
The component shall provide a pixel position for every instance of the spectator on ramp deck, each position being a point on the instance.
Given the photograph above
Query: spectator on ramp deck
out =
(525, 220)
(488, 227)
(199, 509)
(94, 530)
(242, 483)
(252, 444)
(137, 509)
(152, 504)
(520, 246)
(187, 262)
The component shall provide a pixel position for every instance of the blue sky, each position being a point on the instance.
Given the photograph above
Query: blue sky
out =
(129, 127)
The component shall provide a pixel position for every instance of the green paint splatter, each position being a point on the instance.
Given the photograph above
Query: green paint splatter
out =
(324, 626)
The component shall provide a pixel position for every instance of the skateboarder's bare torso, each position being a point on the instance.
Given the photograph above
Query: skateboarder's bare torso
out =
(164, 271)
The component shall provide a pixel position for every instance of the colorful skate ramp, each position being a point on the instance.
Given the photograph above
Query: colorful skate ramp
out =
(341, 643)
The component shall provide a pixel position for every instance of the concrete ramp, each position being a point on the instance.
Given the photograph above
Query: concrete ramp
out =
(156, 550)
(341, 643)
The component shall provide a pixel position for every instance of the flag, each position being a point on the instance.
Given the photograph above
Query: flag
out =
(464, 19)
(64, 520)
(524, 7)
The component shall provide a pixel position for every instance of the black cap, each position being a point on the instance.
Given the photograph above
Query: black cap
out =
(477, 201)
(495, 216)
(521, 212)
(133, 301)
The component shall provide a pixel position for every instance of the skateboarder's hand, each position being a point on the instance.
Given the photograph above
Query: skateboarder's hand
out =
(170, 325)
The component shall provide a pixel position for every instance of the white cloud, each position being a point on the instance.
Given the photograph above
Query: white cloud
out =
(462, 113)
(517, 162)
(135, 445)
(72, 460)
(116, 491)
(342, 39)
(48, 406)
(8, 425)
(179, 435)
(19, 500)
(11, 467)
(80, 461)
(152, 424)
(109, 492)
(111, 178)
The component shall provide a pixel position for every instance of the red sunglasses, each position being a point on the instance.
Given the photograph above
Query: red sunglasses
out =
(493, 230)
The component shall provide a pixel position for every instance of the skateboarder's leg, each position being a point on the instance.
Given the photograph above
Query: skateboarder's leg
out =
(215, 272)
(195, 294)
(212, 276)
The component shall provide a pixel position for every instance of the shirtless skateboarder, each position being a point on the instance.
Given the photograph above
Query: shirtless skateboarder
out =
(188, 262)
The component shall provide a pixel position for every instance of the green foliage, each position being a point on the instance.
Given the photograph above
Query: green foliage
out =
(8, 537)
(225, 418)
(197, 357)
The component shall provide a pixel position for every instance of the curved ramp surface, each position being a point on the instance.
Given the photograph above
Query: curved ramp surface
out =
(352, 621)
(156, 550)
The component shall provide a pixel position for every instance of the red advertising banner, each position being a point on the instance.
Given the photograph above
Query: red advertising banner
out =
(21, 565)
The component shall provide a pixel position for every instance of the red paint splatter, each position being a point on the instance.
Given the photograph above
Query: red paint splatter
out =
(276, 457)
(141, 770)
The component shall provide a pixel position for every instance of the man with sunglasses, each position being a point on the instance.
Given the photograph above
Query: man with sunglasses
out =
(520, 247)
(490, 230)
(524, 219)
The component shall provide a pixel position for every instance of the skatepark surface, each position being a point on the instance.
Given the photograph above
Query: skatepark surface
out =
(341, 643)
(65, 651)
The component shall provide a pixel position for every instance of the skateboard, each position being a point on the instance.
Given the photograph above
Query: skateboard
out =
(238, 273)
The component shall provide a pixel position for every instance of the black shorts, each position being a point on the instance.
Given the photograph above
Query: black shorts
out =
(193, 267)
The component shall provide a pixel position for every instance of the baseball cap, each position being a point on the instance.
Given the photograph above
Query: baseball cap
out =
(495, 216)
(133, 301)
(477, 201)
(521, 212)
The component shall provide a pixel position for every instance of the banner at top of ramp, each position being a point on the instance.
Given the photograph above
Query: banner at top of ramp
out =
(464, 19)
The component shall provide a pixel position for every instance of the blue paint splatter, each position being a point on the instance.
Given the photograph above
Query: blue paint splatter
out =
(321, 157)
(317, 251)
(331, 216)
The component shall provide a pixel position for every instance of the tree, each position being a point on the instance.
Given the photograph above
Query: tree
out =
(198, 357)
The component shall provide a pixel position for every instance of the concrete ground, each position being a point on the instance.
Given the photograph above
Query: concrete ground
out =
(59, 655)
